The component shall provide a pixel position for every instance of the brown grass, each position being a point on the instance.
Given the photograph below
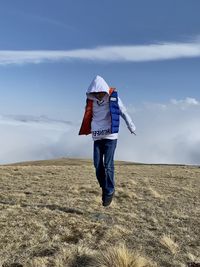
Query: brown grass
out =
(51, 216)
(169, 243)
(121, 256)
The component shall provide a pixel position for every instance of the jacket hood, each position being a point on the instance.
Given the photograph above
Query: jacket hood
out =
(98, 85)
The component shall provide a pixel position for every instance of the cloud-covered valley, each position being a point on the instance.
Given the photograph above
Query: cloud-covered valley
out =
(166, 133)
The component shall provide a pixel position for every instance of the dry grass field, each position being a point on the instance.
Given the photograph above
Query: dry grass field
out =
(51, 215)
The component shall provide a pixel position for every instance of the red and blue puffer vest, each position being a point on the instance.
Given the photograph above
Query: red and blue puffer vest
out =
(114, 112)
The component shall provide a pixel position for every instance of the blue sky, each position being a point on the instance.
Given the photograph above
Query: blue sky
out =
(51, 50)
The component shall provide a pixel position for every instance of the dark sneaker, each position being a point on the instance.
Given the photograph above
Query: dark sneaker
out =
(107, 199)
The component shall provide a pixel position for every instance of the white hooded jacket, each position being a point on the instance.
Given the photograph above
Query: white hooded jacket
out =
(101, 121)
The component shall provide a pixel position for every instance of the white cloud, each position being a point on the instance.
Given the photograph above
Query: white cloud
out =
(30, 138)
(166, 133)
(188, 101)
(130, 53)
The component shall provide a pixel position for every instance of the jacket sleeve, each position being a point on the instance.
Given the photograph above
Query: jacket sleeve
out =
(124, 114)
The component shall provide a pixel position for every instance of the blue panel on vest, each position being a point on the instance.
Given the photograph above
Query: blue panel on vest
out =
(114, 112)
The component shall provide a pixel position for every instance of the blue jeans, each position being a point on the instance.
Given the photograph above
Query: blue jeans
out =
(104, 163)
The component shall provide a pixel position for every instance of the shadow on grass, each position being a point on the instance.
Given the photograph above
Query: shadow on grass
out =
(83, 260)
(50, 207)
(12, 265)
(193, 264)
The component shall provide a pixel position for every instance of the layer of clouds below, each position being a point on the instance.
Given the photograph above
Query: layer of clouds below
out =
(26, 138)
(166, 133)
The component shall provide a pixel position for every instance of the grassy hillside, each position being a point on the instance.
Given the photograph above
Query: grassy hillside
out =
(51, 215)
